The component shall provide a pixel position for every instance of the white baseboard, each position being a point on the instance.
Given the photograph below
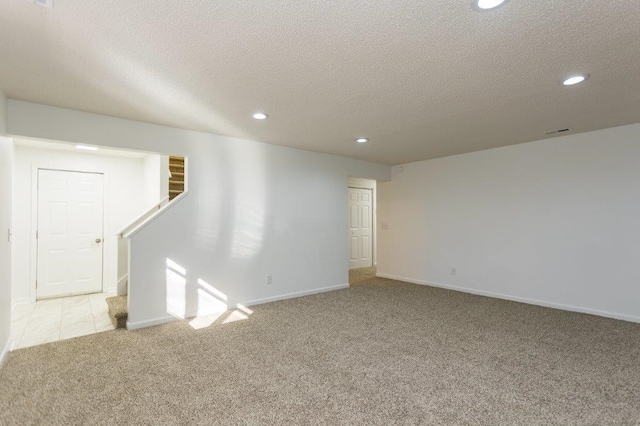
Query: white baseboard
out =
(546, 304)
(148, 323)
(20, 301)
(5, 351)
(296, 294)
(168, 319)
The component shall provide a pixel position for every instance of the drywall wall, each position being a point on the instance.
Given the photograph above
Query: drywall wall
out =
(123, 202)
(3, 113)
(6, 158)
(369, 184)
(155, 179)
(251, 210)
(155, 188)
(554, 222)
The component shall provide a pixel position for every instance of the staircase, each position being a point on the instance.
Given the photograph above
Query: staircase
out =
(176, 176)
(118, 310)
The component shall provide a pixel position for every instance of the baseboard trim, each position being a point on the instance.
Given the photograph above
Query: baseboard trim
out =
(20, 301)
(5, 351)
(149, 323)
(546, 304)
(164, 320)
(296, 294)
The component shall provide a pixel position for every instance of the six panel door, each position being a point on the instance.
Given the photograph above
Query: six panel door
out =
(69, 233)
(360, 228)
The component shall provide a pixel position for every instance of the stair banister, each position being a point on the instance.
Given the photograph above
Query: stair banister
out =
(141, 218)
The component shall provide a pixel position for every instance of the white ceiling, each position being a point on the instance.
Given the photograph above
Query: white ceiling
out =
(420, 78)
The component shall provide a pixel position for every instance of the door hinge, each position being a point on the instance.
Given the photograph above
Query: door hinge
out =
(36, 235)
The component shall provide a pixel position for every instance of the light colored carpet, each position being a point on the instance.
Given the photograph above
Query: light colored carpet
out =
(361, 275)
(376, 353)
(118, 310)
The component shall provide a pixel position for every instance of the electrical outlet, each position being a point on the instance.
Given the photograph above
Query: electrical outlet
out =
(454, 271)
(269, 279)
(385, 225)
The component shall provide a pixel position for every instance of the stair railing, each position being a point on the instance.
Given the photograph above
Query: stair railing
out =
(138, 220)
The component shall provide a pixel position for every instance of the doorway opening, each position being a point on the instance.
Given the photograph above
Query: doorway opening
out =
(68, 207)
(361, 227)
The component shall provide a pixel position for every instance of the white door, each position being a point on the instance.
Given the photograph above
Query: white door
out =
(360, 218)
(69, 233)
(6, 176)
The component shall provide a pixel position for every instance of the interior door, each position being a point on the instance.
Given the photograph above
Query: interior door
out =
(69, 233)
(6, 176)
(360, 228)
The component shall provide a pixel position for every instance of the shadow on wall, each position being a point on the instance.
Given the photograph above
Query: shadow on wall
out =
(250, 215)
(231, 216)
(204, 303)
(230, 230)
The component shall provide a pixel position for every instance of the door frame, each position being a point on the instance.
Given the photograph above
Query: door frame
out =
(374, 259)
(33, 293)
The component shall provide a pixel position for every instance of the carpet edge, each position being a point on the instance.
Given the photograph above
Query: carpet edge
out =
(537, 302)
(167, 319)
(135, 325)
(296, 294)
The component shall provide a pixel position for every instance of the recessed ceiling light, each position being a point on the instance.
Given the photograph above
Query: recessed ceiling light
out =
(488, 4)
(575, 79)
(260, 115)
(45, 3)
(87, 147)
(362, 140)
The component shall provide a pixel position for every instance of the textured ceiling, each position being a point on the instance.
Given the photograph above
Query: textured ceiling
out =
(420, 78)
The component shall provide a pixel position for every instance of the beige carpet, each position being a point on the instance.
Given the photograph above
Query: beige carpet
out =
(378, 353)
(118, 310)
(362, 275)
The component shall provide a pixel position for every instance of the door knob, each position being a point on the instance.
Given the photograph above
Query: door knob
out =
(98, 240)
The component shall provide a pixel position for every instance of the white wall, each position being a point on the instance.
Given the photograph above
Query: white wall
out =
(123, 189)
(252, 210)
(372, 185)
(155, 179)
(6, 160)
(6, 164)
(155, 187)
(554, 222)
(3, 113)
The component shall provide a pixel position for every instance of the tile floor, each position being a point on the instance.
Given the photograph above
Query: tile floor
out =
(57, 319)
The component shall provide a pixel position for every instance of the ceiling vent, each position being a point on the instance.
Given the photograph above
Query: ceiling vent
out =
(555, 132)
(44, 3)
